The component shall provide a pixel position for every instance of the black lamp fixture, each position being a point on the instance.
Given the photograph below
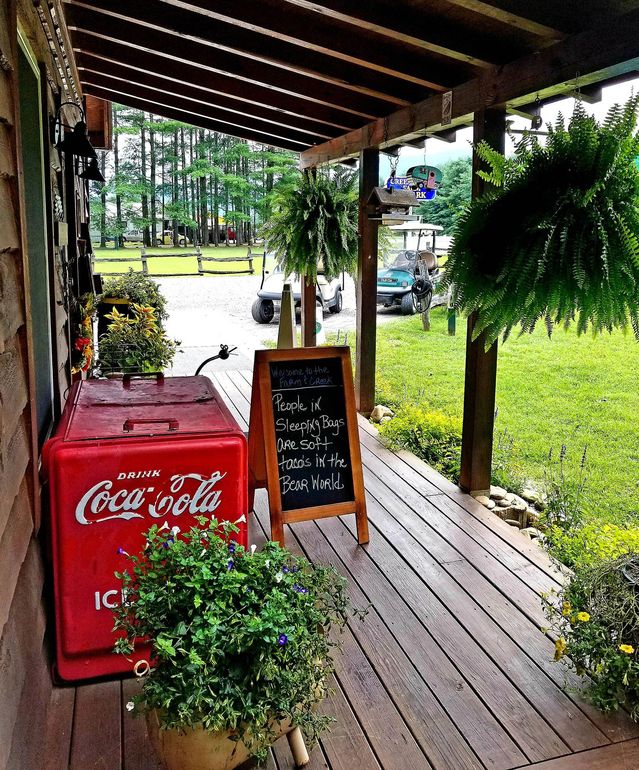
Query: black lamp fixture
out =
(76, 142)
(92, 172)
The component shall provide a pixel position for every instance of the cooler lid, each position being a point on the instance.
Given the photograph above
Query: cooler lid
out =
(162, 406)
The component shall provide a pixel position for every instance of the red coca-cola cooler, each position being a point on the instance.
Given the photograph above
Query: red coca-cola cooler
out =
(128, 454)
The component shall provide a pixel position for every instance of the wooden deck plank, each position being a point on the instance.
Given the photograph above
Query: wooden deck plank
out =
(137, 751)
(57, 745)
(96, 742)
(617, 756)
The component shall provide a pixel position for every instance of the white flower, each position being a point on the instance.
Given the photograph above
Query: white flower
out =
(130, 706)
(164, 526)
(278, 577)
(175, 531)
(241, 520)
(253, 549)
(267, 563)
(203, 553)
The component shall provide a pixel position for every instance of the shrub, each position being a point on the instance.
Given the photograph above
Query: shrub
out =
(431, 435)
(598, 631)
(592, 542)
(138, 289)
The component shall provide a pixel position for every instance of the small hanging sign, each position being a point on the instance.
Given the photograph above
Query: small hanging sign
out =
(447, 108)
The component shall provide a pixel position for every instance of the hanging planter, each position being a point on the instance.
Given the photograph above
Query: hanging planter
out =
(315, 224)
(558, 238)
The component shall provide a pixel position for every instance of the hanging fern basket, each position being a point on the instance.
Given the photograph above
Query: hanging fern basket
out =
(557, 238)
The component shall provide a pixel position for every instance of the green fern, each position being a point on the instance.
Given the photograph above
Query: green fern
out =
(558, 239)
(315, 223)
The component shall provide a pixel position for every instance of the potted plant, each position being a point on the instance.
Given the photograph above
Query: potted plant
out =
(125, 290)
(314, 225)
(557, 239)
(135, 343)
(239, 640)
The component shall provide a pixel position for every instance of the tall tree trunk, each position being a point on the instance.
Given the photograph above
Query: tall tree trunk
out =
(216, 191)
(163, 188)
(146, 236)
(153, 180)
(185, 191)
(204, 218)
(103, 199)
(175, 187)
(194, 215)
(118, 240)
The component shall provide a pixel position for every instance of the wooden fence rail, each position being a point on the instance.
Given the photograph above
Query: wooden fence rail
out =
(143, 257)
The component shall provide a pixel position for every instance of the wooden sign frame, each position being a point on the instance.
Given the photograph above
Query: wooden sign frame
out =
(262, 448)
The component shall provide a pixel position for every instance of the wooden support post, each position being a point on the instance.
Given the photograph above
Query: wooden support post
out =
(481, 365)
(308, 312)
(366, 286)
(286, 334)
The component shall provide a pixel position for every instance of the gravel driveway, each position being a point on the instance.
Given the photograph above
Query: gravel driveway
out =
(207, 311)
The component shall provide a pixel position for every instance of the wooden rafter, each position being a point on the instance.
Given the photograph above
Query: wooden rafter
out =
(502, 13)
(245, 69)
(606, 52)
(174, 113)
(241, 48)
(303, 29)
(189, 103)
(111, 54)
(88, 62)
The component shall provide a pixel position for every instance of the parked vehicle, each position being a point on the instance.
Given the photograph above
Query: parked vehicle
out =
(328, 292)
(408, 281)
(166, 239)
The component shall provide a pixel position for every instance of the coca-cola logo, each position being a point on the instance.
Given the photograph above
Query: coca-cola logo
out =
(190, 493)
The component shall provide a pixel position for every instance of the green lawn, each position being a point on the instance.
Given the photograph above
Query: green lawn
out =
(578, 391)
(173, 265)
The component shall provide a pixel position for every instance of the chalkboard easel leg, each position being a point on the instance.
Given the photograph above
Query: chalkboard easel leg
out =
(362, 526)
(277, 528)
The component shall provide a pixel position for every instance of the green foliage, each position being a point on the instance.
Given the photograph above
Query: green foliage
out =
(598, 629)
(557, 239)
(241, 638)
(315, 223)
(452, 197)
(433, 436)
(591, 542)
(135, 343)
(139, 289)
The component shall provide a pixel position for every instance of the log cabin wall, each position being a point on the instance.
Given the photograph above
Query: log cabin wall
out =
(25, 680)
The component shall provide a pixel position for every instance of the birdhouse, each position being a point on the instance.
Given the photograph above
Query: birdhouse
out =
(391, 206)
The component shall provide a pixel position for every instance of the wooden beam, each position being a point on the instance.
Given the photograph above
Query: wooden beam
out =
(598, 55)
(481, 364)
(189, 102)
(173, 113)
(315, 32)
(500, 12)
(107, 55)
(365, 354)
(245, 69)
(418, 25)
(240, 47)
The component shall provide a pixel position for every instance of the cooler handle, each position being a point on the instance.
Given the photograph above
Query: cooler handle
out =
(126, 378)
(131, 422)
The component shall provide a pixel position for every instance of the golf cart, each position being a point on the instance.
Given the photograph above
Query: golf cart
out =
(328, 291)
(408, 280)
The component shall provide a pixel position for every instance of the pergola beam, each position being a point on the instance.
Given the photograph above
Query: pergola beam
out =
(174, 113)
(509, 17)
(596, 55)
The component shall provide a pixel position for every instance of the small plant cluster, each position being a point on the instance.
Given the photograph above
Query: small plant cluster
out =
(557, 240)
(315, 223)
(135, 343)
(597, 628)
(433, 436)
(138, 289)
(82, 352)
(240, 638)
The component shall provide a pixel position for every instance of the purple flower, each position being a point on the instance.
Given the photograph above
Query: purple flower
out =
(122, 552)
(282, 639)
(285, 569)
(232, 545)
(300, 589)
(230, 564)
(295, 568)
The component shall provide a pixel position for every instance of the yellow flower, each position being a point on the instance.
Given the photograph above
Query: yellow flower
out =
(627, 648)
(560, 648)
(566, 609)
(584, 617)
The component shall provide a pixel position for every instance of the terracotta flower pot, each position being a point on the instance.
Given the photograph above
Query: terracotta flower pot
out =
(197, 749)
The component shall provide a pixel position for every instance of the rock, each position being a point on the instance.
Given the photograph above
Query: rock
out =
(540, 504)
(385, 418)
(381, 411)
(520, 508)
(532, 515)
(512, 522)
(529, 495)
(525, 534)
(503, 513)
(517, 500)
(483, 499)
(532, 532)
(498, 493)
(503, 503)
(510, 498)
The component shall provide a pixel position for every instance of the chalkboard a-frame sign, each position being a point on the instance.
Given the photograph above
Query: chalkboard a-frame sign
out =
(303, 437)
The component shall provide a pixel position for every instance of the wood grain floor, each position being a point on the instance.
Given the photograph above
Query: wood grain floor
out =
(449, 669)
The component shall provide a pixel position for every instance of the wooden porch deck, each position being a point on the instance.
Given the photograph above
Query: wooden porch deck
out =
(449, 670)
